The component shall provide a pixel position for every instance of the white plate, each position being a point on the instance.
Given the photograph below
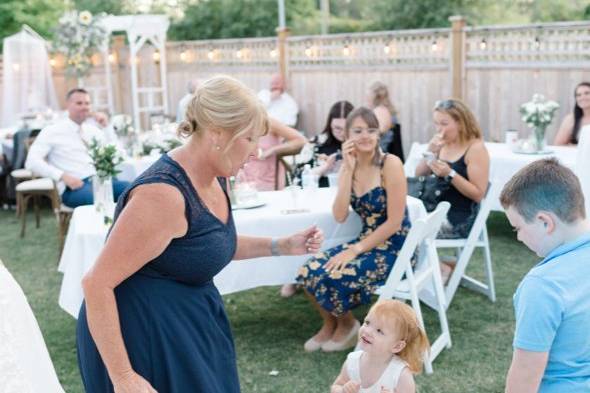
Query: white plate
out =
(519, 151)
(249, 205)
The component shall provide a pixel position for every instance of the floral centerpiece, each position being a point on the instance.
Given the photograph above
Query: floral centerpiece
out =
(78, 36)
(105, 158)
(538, 114)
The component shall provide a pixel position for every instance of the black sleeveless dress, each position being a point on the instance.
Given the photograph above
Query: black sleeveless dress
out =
(463, 210)
(172, 317)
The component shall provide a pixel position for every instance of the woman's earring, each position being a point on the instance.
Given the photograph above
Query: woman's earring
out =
(217, 147)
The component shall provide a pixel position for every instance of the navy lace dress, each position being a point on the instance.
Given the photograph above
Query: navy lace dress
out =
(172, 317)
(338, 292)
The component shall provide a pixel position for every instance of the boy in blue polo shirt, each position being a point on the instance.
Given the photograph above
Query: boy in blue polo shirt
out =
(545, 205)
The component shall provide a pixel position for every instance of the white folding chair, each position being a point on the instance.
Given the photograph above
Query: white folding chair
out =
(478, 237)
(424, 282)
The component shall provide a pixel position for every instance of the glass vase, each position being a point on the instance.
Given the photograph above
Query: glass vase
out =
(102, 193)
(539, 138)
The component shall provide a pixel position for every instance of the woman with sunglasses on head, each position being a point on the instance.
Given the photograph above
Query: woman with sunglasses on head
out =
(459, 155)
(572, 125)
(344, 277)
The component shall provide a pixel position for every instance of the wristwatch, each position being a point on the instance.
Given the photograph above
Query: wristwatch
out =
(452, 173)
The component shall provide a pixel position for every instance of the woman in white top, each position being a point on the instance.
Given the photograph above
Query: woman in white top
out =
(572, 124)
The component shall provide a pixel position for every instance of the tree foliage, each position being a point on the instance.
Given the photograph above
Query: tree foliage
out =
(245, 18)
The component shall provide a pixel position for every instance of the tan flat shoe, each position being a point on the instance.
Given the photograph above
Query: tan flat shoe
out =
(348, 342)
(312, 345)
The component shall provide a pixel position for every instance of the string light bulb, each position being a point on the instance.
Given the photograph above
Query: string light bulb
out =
(210, 54)
(273, 53)
(308, 51)
(15, 67)
(346, 50)
(239, 53)
(434, 45)
(52, 62)
(537, 43)
(112, 58)
(483, 44)
(156, 56)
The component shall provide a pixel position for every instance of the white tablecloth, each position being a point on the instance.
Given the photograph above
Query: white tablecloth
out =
(87, 233)
(133, 167)
(25, 365)
(503, 162)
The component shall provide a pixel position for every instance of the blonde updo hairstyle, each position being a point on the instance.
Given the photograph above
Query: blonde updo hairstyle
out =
(224, 103)
(380, 96)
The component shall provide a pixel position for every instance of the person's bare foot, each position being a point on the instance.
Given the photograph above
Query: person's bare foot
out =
(343, 330)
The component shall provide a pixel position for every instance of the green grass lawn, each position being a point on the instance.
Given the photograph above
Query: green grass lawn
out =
(270, 331)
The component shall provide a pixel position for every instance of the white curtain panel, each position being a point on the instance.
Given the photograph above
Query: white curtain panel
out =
(27, 85)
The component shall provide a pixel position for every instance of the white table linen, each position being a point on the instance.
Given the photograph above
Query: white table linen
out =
(87, 232)
(504, 163)
(25, 365)
(131, 168)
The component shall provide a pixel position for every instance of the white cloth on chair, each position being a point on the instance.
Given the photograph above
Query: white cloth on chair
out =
(25, 365)
(583, 163)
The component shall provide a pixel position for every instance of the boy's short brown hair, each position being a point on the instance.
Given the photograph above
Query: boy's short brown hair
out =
(545, 185)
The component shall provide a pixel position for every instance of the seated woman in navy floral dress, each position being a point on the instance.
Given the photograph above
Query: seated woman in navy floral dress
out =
(346, 276)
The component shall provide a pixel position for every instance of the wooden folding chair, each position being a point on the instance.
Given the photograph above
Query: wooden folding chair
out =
(478, 237)
(424, 281)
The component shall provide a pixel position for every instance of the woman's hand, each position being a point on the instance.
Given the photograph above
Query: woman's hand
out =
(339, 261)
(351, 387)
(349, 155)
(440, 168)
(132, 382)
(307, 241)
(435, 144)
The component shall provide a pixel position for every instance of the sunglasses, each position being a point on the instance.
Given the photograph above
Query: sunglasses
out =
(444, 104)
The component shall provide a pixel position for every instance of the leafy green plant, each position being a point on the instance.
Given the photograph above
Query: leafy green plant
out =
(105, 159)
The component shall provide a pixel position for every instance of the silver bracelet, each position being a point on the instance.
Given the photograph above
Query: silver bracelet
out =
(274, 247)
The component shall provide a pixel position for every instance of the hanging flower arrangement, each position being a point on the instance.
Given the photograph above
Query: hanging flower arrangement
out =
(78, 36)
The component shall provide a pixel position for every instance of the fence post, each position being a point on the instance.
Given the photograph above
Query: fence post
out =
(457, 55)
(118, 79)
(283, 33)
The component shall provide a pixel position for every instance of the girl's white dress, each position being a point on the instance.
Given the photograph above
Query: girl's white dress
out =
(388, 379)
(583, 163)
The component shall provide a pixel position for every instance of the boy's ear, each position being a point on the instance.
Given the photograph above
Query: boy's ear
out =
(399, 346)
(548, 220)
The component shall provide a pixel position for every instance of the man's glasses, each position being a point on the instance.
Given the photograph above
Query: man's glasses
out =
(358, 131)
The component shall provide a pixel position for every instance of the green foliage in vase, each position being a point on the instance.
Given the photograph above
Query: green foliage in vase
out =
(105, 159)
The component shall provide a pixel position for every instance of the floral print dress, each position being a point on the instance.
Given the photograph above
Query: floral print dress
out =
(340, 291)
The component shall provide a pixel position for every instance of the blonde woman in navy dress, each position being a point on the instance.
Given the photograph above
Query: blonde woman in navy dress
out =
(343, 277)
(153, 319)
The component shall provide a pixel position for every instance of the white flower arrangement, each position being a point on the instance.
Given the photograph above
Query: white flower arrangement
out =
(78, 36)
(539, 112)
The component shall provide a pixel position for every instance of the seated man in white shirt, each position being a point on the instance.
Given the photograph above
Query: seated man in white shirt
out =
(60, 152)
(279, 104)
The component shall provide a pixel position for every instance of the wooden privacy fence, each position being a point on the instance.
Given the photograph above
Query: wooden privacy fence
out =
(494, 69)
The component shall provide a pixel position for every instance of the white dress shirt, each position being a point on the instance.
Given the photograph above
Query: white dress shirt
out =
(63, 148)
(284, 108)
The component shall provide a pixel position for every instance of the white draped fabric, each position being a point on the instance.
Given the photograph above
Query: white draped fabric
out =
(25, 365)
(27, 85)
(283, 214)
(583, 164)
